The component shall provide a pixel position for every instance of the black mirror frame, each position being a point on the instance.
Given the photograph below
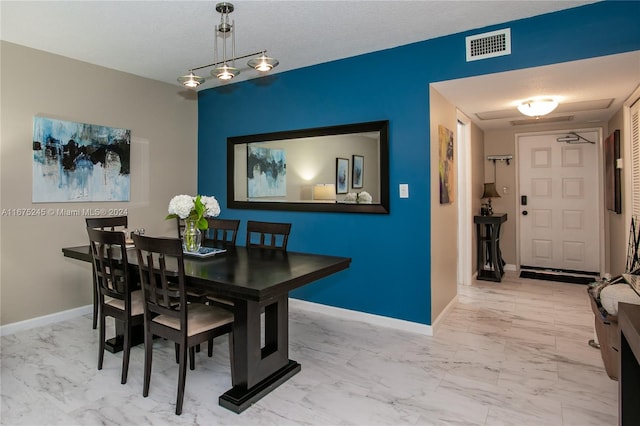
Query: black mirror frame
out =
(382, 208)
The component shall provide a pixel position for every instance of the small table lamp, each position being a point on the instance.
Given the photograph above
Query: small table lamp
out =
(490, 192)
(325, 192)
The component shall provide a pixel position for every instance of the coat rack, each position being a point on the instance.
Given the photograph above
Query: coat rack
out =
(506, 158)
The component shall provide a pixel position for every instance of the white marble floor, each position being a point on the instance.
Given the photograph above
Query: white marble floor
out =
(510, 353)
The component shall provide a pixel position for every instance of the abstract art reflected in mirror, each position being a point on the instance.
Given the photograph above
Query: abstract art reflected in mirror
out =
(285, 170)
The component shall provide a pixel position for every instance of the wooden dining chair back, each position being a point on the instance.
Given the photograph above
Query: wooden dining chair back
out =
(180, 227)
(117, 296)
(112, 223)
(269, 235)
(167, 312)
(221, 231)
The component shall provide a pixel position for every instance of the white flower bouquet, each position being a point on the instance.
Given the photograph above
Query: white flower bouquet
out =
(195, 209)
(351, 197)
(364, 198)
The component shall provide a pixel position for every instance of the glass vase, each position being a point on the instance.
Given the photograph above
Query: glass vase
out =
(192, 237)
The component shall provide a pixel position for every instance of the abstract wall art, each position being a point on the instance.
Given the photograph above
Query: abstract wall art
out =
(78, 162)
(358, 172)
(446, 165)
(266, 172)
(342, 175)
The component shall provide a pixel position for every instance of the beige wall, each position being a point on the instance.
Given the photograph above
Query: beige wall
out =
(477, 184)
(35, 279)
(498, 142)
(616, 236)
(444, 217)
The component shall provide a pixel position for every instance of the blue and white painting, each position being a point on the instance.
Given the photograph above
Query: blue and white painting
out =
(266, 172)
(77, 162)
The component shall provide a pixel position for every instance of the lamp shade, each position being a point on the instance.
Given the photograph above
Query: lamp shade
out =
(490, 191)
(537, 107)
(324, 191)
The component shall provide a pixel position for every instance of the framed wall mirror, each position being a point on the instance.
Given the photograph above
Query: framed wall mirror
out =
(311, 169)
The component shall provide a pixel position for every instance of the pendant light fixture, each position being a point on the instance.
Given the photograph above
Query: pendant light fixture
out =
(224, 68)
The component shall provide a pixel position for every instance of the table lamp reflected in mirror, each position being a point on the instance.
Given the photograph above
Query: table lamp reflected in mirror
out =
(325, 192)
(490, 192)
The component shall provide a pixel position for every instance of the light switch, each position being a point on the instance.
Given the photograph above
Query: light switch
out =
(404, 190)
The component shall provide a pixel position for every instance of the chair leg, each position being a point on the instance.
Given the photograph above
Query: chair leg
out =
(101, 344)
(126, 352)
(95, 302)
(148, 357)
(182, 374)
(210, 348)
(177, 346)
(192, 358)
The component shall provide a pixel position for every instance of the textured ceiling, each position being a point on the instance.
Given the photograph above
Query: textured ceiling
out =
(161, 40)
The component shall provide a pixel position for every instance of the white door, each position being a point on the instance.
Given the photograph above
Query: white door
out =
(558, 188)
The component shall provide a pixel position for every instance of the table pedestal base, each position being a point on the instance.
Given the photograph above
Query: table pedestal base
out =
(238, 398)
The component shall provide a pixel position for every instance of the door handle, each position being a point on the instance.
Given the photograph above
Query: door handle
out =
(523, 200)
(524, 212)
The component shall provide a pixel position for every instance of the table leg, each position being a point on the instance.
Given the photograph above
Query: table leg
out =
(259, 369)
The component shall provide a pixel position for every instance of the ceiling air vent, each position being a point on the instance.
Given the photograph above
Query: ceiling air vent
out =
(489, 45)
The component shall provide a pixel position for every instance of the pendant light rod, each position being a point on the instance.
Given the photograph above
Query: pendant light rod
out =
(232, 59)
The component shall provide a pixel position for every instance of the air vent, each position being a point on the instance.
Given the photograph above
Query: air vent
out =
(489, 45)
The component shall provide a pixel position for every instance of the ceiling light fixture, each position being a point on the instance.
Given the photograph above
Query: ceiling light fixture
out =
(537, 107)
(225, 69)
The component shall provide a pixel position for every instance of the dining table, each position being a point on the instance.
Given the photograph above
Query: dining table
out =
(258, 282)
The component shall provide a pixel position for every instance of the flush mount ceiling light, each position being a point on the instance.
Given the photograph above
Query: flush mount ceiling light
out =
(225, 69)
(537, 107)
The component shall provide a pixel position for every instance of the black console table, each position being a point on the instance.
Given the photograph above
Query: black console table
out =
(629, 373)
(489, 256)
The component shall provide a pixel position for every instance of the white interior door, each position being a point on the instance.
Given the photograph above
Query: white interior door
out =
(559, 221)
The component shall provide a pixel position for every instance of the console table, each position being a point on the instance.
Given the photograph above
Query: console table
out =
(489, 257)
(629, 370)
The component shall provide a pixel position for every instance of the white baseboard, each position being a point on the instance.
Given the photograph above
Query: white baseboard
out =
(444, 313)
(15, 327)
(347, 314)
(510, 267)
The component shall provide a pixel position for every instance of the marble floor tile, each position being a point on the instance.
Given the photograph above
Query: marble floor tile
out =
(509, 353)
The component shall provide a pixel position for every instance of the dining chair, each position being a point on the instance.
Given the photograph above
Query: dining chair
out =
(221, 231)
(269, 235)
(117, 296)
(111, 223)
(167, 312)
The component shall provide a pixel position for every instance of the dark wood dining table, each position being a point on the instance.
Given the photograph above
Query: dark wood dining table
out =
(257, 281)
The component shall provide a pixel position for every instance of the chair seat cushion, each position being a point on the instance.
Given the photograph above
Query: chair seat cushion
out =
(220, 300)
(200, 318)
(137, 303)
(612, 294)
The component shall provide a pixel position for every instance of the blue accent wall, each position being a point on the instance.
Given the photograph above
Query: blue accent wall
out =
(390, 271)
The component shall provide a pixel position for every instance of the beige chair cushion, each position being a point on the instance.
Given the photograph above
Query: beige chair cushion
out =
(612, 294)
(199, 318)
(137, 303)
(220, 300)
